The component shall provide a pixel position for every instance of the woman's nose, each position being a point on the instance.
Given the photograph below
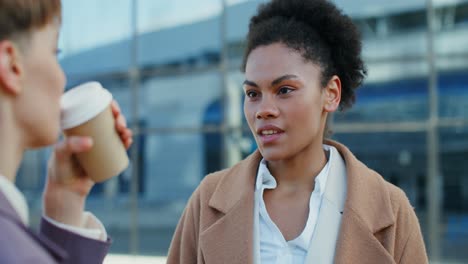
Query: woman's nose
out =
(267, 109)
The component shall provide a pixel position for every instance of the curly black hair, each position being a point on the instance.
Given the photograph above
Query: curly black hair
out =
(320, 32)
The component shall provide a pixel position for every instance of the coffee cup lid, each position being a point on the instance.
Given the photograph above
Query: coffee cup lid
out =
(81, 103)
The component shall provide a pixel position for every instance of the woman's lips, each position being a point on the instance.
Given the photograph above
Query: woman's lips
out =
(268, 139)
(269, 134)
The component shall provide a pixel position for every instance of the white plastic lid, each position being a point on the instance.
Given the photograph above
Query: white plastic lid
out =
(80, 104)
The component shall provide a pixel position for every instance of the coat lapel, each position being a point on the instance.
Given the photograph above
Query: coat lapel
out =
(59, 254)
(7, 211)
(367, 211)
(230, 238)
(323, 243)
(357, 244)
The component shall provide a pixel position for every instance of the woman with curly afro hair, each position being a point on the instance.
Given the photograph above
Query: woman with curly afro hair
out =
(300, 198)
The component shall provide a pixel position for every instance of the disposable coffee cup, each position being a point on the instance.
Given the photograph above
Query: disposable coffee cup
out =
(86, 111)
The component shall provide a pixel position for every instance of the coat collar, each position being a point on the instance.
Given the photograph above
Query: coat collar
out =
(15, 198)
(236, 184)
(367, 210)
(323, 244)
(234, 198)
(367, 197)
(366, 192)
(7, 211)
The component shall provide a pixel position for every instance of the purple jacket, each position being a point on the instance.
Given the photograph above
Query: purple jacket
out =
(19, 244)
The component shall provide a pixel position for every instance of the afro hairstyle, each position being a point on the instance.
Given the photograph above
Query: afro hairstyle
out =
(320, 32)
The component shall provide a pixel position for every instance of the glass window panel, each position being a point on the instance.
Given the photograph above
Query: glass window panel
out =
(399, 157)
(392, 101)
(454, 154)
(173, 166)
(87, 24)
(367, 26)
(31, 174)
(453, 93)
(182, 101)
(94, 37)
(461, 14)
(30, 179)
(409, 21)
(158, 14)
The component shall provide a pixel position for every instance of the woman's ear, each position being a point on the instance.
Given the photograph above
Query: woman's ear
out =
(10, 68)
(332, 94)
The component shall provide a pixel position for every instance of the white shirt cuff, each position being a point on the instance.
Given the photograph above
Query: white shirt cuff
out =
(91, 227)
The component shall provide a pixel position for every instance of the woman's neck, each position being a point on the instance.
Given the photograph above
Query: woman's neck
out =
(300, 170)
(11, 149)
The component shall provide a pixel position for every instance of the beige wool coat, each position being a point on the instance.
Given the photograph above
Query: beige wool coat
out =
(378, 224)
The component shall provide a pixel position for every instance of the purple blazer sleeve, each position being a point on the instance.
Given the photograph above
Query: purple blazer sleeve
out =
(80, 249)
(19, 245)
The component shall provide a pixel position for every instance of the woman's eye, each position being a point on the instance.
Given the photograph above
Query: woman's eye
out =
(251, 94)
(284, 90)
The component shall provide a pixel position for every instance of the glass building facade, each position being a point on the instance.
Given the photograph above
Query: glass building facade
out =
(180, 88)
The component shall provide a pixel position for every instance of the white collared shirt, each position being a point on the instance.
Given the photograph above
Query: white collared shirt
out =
(91, 226)
(274, 249)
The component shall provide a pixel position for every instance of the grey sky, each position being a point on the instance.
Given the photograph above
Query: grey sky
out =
(87, 23)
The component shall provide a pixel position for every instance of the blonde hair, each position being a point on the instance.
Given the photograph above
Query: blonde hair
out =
(19, 17)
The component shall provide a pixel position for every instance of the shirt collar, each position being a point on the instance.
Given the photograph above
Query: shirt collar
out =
(16, 199)
(266, 181)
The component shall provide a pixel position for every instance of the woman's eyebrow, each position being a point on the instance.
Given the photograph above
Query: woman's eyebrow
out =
(250, 83)
(283, 78)
(275, 82)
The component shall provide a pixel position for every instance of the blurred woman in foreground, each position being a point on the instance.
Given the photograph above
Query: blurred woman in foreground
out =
(31, 84)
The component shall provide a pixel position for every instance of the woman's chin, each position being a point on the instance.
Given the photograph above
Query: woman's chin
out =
(41, 141)
(273, 154)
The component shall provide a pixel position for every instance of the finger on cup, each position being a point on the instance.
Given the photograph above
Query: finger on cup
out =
(72, 145)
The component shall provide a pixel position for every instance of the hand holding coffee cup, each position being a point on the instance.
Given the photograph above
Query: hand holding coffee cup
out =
(87, 111)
